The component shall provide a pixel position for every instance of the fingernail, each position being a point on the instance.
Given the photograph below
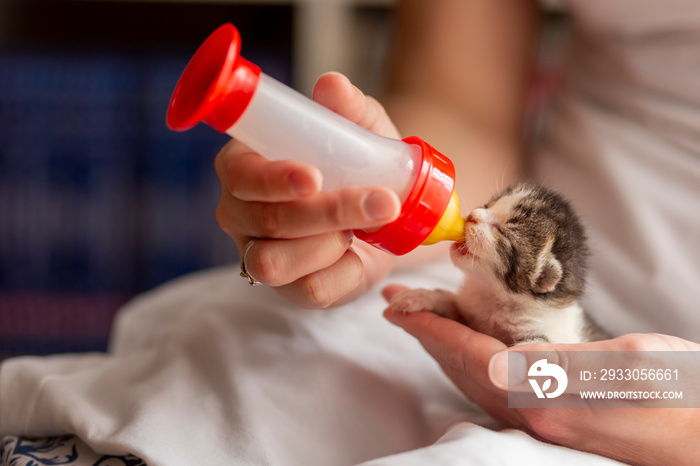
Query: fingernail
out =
(303, 183)
(507, 368)
(379, 205)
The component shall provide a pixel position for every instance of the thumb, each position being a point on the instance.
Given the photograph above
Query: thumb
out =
(636, 363)
(335, 92)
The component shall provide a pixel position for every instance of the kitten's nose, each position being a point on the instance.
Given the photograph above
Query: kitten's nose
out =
(476, 216)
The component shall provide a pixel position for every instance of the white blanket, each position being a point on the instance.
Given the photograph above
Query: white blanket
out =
(207, 370)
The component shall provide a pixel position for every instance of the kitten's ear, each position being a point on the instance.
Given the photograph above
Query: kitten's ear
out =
(547, 273)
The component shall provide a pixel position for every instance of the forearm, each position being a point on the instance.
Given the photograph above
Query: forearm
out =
(459, 79)
(486, 161)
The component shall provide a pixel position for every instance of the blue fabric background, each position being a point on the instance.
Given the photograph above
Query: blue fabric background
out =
(98, 199)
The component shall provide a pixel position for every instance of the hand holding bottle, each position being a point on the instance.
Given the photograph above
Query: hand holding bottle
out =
(302, 241)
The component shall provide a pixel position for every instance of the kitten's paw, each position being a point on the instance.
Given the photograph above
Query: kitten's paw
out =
(413, 301)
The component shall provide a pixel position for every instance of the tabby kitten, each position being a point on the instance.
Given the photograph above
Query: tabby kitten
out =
(524, 258)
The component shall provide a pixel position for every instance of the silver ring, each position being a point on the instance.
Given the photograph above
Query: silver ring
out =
(244, 269)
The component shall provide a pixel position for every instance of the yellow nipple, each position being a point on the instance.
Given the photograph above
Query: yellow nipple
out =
(451, 225)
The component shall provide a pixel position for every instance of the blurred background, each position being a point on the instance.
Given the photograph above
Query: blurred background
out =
(99, 201)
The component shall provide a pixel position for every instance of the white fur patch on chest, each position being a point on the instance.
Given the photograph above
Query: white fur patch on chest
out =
(488, 308)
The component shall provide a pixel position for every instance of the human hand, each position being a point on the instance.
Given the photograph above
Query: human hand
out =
(478, 365)
(303, 244)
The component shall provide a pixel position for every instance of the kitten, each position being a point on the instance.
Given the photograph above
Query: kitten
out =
(524, 256)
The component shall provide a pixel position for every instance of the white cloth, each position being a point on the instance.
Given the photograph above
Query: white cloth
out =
(623, 144)
(207, 370)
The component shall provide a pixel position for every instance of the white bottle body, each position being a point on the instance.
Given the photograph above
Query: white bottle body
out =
(282, 124)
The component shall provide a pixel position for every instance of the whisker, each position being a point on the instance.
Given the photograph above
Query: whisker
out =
(503, 176)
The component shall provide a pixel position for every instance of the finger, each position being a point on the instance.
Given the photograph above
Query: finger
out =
(348, 208)
(509, 370)
(453, 345)
(389, 291)
(336, 92)
(279, 262)
(249, 176)
(325, 287)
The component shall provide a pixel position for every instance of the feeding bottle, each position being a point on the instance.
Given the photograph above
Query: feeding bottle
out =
(231, 94)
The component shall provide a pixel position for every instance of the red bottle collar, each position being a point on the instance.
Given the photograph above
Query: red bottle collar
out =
(423, 208)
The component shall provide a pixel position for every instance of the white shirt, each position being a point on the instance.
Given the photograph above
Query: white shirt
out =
(623, 144)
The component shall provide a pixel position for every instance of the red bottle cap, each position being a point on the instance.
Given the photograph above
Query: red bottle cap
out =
(216, 86)
(423, 208)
